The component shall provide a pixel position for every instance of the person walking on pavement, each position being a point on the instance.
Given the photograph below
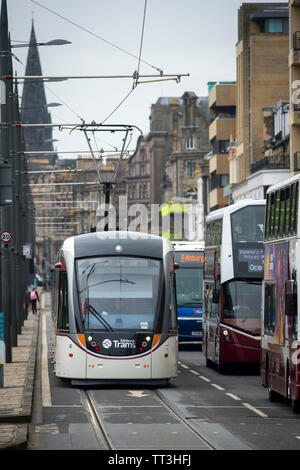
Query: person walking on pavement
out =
(27, 301)
(34, 296)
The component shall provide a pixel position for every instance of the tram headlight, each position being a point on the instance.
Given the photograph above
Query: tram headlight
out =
(148, 338)
(118, 248)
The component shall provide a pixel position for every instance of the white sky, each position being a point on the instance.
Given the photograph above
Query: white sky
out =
(191, 36)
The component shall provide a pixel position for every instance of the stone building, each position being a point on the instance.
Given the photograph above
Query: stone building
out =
(262, 80)
(190, 144)
(222, 131)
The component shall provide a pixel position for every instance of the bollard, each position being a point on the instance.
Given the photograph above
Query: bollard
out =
(2, 350)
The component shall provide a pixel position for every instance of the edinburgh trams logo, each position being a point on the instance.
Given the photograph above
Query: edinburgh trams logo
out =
(119, 343)
(107, 343)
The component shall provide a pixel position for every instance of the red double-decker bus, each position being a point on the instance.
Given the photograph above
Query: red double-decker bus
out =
(280, 362)
(232, 284)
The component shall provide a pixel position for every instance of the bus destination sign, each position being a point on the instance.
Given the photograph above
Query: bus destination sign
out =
(250, 261)
(189, 258)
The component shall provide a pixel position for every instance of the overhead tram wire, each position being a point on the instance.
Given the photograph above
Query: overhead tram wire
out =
(96, 35)
(138, 69)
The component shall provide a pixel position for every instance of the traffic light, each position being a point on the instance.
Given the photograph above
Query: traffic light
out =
(43, 263)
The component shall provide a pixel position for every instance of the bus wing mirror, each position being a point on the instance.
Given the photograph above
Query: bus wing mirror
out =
(176, 266)
(290, 304)
(58, 265)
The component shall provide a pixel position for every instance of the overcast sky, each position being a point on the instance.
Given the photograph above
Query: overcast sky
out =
(180, 36)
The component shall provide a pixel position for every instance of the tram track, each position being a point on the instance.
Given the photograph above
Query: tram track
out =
(176, 411)
(96, 421)
(104, 440)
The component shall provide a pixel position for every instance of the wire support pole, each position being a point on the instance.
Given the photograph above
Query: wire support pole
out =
(176, 76)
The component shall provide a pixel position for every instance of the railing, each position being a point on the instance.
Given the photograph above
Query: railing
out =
(271, 162)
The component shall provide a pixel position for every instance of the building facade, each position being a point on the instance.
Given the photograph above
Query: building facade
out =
(222, 131)
(262, 81)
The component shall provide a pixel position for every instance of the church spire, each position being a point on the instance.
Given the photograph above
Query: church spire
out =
(34, 110)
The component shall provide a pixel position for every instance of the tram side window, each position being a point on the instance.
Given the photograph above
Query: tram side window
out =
(173, 310)
(63, 318)
(269, 314)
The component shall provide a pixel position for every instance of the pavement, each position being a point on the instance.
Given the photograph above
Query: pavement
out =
(17, 394)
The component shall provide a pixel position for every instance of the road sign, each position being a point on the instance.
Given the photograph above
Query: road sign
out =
(6, 236)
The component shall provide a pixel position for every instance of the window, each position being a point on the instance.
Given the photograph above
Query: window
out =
(269, 316)
(211, 304)
(63, 317)
(277, 214)
(190, 143)
(282, 213)
(189, 168)
(224, 180)
(294, 209)
(241, 304)
(287, 211)
(247, 224)
(143, 169)
(118, 293)
(172, 304)
(189, 287)
(268, 214)
(213, 235)
(275, 25)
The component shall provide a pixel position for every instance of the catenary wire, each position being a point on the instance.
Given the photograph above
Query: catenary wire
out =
(94, 34)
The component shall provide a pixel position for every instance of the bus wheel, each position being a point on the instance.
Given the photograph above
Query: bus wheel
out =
(208, 363)
(295, 406)
(273, 396)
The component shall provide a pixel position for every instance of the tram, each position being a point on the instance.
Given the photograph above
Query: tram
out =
(189, 289)
(114, 309)
(232, 284)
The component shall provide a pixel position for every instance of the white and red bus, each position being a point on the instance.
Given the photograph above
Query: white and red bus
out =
(280, 369)
(232, 284)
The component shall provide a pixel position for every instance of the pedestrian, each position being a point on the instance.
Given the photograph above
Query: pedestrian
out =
(27, 301)
(34, 296)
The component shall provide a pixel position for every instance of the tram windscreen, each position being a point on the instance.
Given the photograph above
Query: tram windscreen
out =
(118, 293)
(241, 305)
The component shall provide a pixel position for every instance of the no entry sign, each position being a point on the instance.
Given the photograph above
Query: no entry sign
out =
(5, 236)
